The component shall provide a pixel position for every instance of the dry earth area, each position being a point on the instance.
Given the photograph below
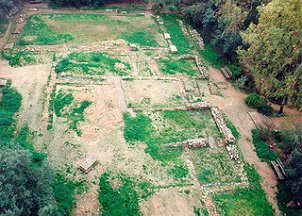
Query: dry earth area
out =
(146, 88)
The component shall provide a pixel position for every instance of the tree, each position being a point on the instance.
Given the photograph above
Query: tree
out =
(274, 53)
(24, 190)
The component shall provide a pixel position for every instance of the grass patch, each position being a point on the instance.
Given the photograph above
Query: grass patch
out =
(25, 139)
(245, 201)
(213, 165)
(9, 105)
(19, 58)
(36, 31)
(232, 127)
(125, 7)
(143, 38)
(262, 149)
(212, 56)
(124, 197)
(64, 191)
(159, 128)
(65, 106)
(177, 36)
(179, 171)
(182, 66)
(93, 63)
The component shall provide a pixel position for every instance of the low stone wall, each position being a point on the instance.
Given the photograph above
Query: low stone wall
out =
(228, 137)
(191, 143)
(197, 37)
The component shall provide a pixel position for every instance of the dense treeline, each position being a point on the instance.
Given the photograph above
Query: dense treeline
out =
(262, 36)
(6, 6)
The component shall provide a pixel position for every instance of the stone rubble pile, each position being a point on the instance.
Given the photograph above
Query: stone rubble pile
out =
(199, 106)
(183, 28)
(228, 137)
(201, 68)
(191, 143)
(233, 152)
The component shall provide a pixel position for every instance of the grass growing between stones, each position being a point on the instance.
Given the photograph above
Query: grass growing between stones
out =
(159, 128)
(93, 63)
(182, 66)
(66, 107)
(120, 195)
(245, 201)
(213, 165)
(177, 36)
(20, 58)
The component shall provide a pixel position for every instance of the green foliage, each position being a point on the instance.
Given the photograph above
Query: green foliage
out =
(75, 3)
(25, 190)
(64, 191)
(175, 126)
(212, 56)
(245, 201)
(65, 106)
(177, 36)
(62, 100)
(24, 139)
(93, 63)
(118, 201)
(232, 127)
(182, 66)
(179, 171)
(19, 58)
(9, 105)
(143, 38)
(262, 149)
(236, 71)
(36, 31)
(138, 128)
(253, 100)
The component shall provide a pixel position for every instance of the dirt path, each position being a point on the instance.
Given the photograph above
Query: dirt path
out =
(232, 104)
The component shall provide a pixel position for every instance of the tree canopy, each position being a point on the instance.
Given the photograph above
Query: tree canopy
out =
(274, 53)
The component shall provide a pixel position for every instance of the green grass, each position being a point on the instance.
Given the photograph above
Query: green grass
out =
(64, 191)
(245, 201)
(36, 31)
(232, 127)
(212, 56)
(9, 105)
(177, 36)
(179, 171)
(93, 63)
(213, 165)
(182, 66)
(123, 199)
(262, 149)
(143, 38)
(19, 58)
(159, 128)
(25, 139)
(64, 105)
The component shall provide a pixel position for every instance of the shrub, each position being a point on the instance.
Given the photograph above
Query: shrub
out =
(265, 109)
(236, 71)
(253, 100)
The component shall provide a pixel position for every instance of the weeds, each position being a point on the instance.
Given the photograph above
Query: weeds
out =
(64, 191)
(37, 31)
(212, 56)
(245, 201)
(181, 66)
(262, 149)
(93, 63)
(143, 38)
(21, 58)
(179, 171)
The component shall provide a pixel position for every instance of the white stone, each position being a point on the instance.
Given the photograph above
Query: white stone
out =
(167, 36)
(173, 49)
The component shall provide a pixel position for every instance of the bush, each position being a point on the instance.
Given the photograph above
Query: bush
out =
(236, 71)
(253, 100)
(265, 109)
(262, 149)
